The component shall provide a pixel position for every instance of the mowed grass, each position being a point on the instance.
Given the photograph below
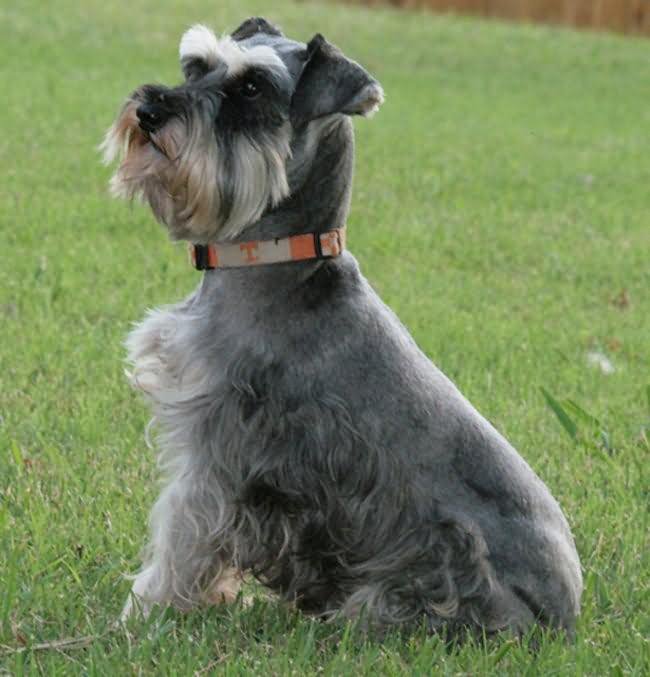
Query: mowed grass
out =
(500, 207)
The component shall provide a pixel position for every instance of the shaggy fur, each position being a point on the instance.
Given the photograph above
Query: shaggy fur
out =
(304, 438)
(190, 178)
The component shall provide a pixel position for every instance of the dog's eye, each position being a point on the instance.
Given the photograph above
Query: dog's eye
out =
(249, 89)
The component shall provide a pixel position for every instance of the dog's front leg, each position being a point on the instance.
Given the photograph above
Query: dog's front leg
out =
(185, 566)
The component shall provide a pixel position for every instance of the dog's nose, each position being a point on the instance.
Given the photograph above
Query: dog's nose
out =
(151, 116)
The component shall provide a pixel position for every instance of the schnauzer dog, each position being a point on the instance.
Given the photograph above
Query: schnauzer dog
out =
(305, 439)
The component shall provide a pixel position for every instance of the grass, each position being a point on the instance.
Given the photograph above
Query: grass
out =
(501, 208)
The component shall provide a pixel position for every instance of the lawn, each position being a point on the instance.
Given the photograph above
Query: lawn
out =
(500, 207)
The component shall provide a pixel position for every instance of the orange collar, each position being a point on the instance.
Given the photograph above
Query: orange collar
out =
(259, 252)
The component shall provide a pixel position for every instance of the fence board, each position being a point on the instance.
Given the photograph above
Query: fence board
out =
(625, 16)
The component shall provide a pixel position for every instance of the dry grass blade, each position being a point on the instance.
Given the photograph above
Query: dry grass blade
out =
(68, 644)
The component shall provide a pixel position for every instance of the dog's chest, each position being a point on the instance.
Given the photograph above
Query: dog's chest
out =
(163, 355)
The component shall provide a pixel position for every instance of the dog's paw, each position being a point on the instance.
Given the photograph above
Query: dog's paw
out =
(225, 589)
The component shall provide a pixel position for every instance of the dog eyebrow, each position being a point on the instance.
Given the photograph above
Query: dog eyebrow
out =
(200, 42)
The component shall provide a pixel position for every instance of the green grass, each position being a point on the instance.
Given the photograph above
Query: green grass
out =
(501, 208)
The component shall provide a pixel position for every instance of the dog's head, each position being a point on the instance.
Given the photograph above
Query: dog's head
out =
(213, 154)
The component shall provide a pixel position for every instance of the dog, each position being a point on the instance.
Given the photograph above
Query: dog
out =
(304, 438)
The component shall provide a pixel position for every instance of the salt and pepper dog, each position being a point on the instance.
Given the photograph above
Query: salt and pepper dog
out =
(304, 438)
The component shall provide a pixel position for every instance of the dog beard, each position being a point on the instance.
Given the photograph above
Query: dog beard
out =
(201, 187)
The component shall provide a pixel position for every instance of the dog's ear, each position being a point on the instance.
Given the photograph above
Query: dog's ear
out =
(256, 24)
(332, 83)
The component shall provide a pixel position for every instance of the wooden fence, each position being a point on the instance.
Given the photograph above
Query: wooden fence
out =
(626, 16)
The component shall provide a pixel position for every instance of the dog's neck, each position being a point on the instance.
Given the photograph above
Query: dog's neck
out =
(320, 181)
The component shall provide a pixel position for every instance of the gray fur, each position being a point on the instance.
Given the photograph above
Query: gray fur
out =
(307, 440)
